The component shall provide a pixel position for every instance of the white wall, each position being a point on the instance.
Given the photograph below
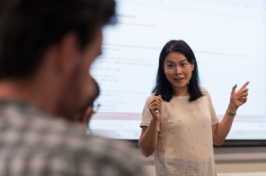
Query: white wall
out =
(243, 160)
(231, 161)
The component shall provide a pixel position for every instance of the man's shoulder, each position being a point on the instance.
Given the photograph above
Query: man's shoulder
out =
(99, 155)
(38, 136)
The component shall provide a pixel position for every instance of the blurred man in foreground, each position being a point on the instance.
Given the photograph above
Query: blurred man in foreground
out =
(46, 50)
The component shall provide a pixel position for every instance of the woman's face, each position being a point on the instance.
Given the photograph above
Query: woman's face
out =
(178, 71)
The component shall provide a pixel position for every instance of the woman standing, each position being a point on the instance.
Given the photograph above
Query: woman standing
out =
(179, 123)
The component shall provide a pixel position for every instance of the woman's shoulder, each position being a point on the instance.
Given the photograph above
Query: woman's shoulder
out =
(203, 90)
(151, 97)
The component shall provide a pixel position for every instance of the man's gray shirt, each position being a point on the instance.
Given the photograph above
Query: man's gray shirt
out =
(34, 143)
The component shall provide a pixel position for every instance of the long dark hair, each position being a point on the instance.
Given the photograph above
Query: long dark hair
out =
(163, 86)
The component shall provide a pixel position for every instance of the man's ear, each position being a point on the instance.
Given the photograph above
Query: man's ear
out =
(68, 52)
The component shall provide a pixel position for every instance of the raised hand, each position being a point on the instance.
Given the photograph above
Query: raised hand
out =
(155, 107)
(238, 98)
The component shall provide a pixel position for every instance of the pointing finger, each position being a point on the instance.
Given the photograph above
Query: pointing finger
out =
(245, 85)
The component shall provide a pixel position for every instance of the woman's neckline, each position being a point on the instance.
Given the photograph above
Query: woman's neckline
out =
(182, 97)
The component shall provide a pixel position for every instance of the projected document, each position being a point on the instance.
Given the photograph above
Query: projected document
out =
(227, 37)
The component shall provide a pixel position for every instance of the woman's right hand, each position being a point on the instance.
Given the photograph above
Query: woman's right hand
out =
(156, 104)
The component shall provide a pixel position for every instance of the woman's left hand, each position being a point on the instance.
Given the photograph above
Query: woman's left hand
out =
(238, 98)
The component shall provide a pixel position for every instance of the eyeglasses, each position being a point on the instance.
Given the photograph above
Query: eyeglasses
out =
(95, 108)
(88, 114)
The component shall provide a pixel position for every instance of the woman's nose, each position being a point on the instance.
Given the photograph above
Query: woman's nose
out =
(178, 71)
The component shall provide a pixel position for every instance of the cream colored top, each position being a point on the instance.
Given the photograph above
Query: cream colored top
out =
(185, 145)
